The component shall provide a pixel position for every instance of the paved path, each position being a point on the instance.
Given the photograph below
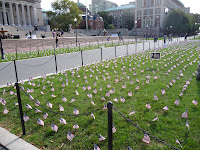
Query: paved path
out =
(45, 65)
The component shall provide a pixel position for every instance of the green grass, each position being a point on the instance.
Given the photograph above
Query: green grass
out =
(48, 52)
(169, 127)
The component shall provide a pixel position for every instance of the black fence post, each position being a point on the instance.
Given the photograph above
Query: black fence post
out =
(16, 53)
(55, 60)
(115, 51)
(101, 54)
(82, 57)
(20, 107)
(16, 70)
(110, 125)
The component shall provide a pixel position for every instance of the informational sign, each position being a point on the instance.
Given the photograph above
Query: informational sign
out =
(155, 56)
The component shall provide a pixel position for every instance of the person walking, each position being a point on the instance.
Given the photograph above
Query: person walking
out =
(56, 41)
(186, 37)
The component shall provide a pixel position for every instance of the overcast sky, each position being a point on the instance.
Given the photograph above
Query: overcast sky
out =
(193, 4)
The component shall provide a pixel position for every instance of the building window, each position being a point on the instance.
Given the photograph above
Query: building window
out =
(157, 10)
(139, 3)
(148, 3)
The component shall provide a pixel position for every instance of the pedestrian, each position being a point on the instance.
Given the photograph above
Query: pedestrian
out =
(186, 37)
(57, 42)
(165, 37)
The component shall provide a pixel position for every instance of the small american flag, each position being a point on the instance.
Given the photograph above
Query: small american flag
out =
(54, 127)
(107, 94)
(166, 108)
(28, 106)
(26, 118)
(75, 111)
(92, 115)
(176, 102)
(177, 141)
(187, 125)
(70, 136)
(155, 119)
(49, 105)
(61, 108)
(52, 95)
(40, 122)
(185, 114)
(64, 99)
(123, 86)
(92, 102)
(130, 93)
(96, 147)
(163, 91)
(138, 87)
(195, 102)
(122, 99)
(76, 92)
(45, 115)
(37, 110)
(113, 129)
(2, 101)
(132, 113)
(62, 120)
(101, 138)
(75, 126)
(37, 103)
(146, 139)
(72, 100)
(102, 98)
(148, 105)
(155, 97)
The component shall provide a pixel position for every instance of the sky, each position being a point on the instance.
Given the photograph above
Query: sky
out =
(193, 4)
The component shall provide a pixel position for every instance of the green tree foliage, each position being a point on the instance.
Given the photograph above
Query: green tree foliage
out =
(106, 18)
(110, 26)
(179, 22)
(64, 12)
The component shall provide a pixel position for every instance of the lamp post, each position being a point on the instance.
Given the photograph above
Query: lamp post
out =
(75, 20)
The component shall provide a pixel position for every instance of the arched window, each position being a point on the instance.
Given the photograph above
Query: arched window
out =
(147, 22)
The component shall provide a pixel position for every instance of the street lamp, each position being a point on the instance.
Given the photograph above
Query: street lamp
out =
(75, 20)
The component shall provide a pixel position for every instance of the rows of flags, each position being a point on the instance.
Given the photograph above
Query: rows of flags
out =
(104, 75)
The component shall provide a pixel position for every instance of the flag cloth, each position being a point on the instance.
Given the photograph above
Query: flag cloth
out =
(72, 100)
(75, 111)
(185, 114)
(113, 129)
(92, 102)
(177, 141)
(130, 93)
(92, 115)
(61, 108)
(195, 102)
(155, 97)
(75, 126)
(130, 148)
(45, 115)
(54, 127)
(176, 102)
(28, 106)
(101, 138)
(96, 147)
(146, 139)
(37, 110)
(64, 99)
(132, 113)
(5, 111)
(166, 108)
(49, 105)
(63, 121)
(163, 91)
(187, 125)
(40, 122)
(148, 105)
(70, 136)
(155, 119)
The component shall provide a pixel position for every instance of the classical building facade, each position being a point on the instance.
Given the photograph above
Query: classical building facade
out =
(21, 12)
(100, 5)
(150, 15)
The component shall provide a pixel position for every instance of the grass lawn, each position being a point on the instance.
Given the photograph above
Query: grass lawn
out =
(48, 52)
(171, 126)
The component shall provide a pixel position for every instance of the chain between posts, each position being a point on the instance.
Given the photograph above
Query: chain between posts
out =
(157, 139)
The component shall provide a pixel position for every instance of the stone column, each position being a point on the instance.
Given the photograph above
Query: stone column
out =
(35, 15)
(23, 15)
(11, 14)
(4, 13)
(29, 15)
(17, 12)
(154, 17)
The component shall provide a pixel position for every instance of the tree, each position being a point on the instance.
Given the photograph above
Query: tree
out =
(110, 26)
(64, 13)
(179, 22)
(106, 18)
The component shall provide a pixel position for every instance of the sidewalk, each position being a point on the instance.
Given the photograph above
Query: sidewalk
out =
(9, 141)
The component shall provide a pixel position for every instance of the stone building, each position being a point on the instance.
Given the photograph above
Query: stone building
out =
(150, 15)
(100, 5)
(21, 12)
(123, 16)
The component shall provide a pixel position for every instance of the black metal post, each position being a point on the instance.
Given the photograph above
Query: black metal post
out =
(76, 35)
(82, 57)
(55, 60)
(20, 108)
(16, 70)
(101, 54)
(115, 51)
(1, 48)
(110, 124)
(16, 53)
(38, 52)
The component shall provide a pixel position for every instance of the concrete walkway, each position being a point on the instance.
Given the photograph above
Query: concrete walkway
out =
(10, 141)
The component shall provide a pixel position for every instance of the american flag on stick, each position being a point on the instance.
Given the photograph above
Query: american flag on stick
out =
(195, 102)
(26, 118)
(101, 138)
(45, 115)
(146, 139)
(75, 126)
(185, 114)
(96, 147)
(155, 119)
(70, 136)
(75, 111)
(54, 127)
(62, 120)
(40, 122)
